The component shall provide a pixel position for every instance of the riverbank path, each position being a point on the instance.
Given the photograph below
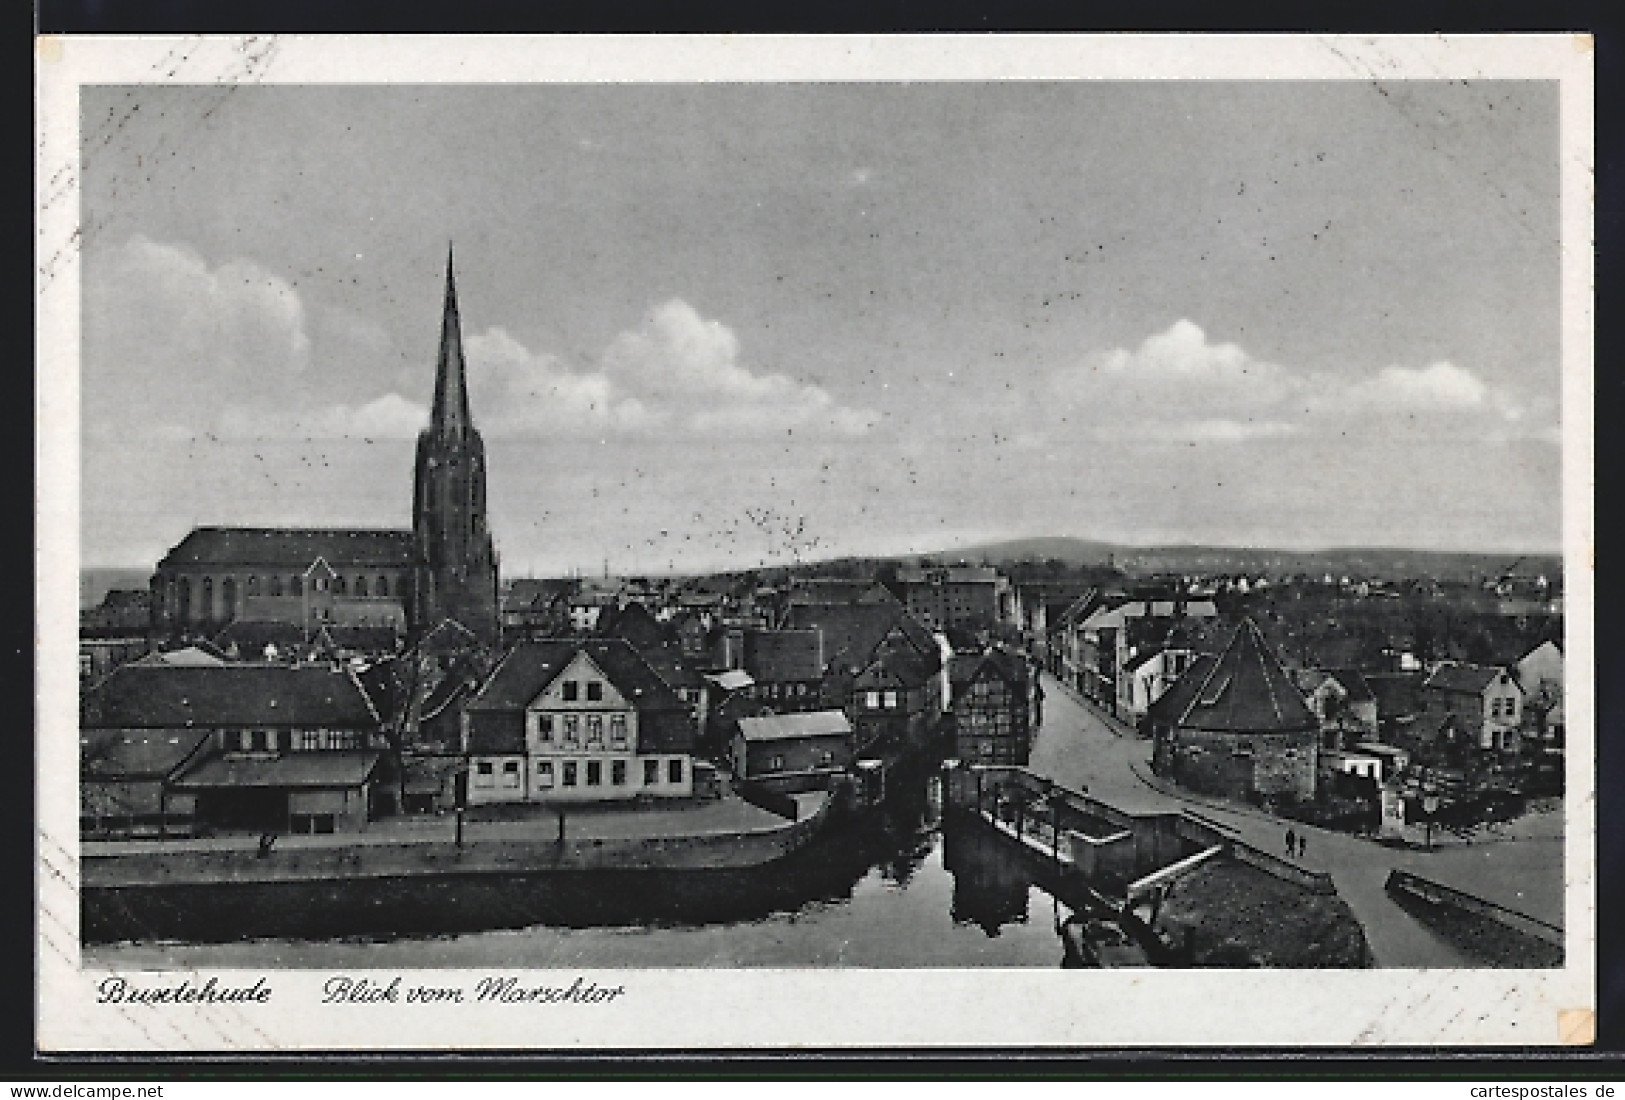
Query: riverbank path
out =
(1078, 746)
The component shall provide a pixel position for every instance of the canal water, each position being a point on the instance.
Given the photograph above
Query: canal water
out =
(895, 888)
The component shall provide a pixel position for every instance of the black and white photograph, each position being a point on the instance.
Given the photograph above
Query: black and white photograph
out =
(555, 530)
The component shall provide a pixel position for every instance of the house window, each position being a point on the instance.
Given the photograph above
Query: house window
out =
(276, 586)
(595, 691)
(776, 763)
(361, 586)
(572, 730)
(826, 758)
(510, 773)
(674, 771)
(617, 772)
(338, 586)
(569, 773)
(296, 586)
(651, 772)
(871, 699)
(245, 741)
(544, 727)
(571, 691)
(595, 729)
(310, 740)
(544, 773)
(617, 730)
(595, 773)
(381, 589)
(889, 700)
(484, 774)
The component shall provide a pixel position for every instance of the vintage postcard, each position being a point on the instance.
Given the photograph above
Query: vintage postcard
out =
(753, 542)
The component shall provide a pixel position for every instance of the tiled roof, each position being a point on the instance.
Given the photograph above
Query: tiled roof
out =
(1397, 693)
(230, 696)
(851, 632)
(1353, 682)
(291, 547)
(1174, 702)
(191, 656)
(121, 754)
(252, 637)
(363, 639)
(780, 727)
(836, 591)
(293, 769)
(530, 666)
(1245, 690)
(528, 592)
(1463, 679)
(731, 680)
(964, 668)
(781, 656)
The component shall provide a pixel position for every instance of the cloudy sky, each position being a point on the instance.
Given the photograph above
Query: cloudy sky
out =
(717, 325)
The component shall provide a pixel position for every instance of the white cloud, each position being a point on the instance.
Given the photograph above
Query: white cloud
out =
(1177, 383)
(514, 390)
(1441, 385)
(1182, 353)
(688, 367)
(1178, 386)
(388, 417)
(167, 334)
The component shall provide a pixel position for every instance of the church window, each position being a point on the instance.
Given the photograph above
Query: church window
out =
(361, 587)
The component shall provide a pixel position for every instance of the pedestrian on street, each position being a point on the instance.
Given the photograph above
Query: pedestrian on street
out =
(1291, 842)
(1303, 842)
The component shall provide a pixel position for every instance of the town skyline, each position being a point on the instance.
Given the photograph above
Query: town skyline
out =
(714, 328)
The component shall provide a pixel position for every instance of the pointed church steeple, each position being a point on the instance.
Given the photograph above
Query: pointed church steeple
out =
(450, 415)
(458, 577)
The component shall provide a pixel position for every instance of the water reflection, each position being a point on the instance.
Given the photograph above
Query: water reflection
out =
(991, 890)
(895, 888)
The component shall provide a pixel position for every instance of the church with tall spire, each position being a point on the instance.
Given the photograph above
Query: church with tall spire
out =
(330, 583)
(458, 578)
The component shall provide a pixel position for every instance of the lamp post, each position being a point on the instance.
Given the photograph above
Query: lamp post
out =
(1430, 806)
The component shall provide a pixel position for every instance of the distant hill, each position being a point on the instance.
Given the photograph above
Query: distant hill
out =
(1349, 561)
(94, 584)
